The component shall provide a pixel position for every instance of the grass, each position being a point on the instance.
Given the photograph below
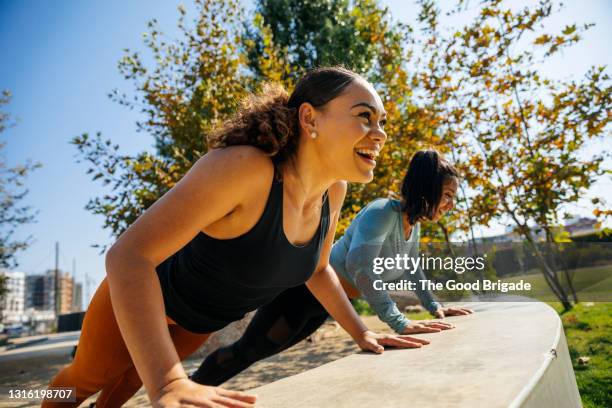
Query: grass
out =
(588, 329)
(591, 284)
(363, 309)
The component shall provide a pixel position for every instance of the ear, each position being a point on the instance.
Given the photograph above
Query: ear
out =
(307, 116)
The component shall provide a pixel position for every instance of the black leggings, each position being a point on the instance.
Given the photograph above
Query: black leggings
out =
(288, 319)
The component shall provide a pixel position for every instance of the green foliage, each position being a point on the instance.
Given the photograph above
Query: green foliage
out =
(290, 36)
(12, 213)
(516, 135)
(362, 307)
(526, 131)
(197, 80)
(195, 83)
(12, 191)
(318, 33)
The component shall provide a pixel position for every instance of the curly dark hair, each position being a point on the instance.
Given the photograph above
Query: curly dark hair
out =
(423, 183)
(268, 120)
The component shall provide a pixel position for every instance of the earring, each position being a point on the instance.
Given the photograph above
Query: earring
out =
(313, 134)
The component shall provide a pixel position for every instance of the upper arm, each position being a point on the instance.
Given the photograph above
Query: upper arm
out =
(373, 225)
(369, 234)
(336, 194)
(216, 185)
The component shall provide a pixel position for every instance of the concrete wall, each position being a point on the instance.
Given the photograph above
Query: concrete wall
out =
(506, 354)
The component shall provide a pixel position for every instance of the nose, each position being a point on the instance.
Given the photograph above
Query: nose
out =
(378, 135)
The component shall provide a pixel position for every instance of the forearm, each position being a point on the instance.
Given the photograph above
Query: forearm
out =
(425, 296)
(139, 309)
(326, 287)
(381, 303)
(390, 314)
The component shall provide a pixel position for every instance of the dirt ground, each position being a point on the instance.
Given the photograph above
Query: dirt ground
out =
(329, 343)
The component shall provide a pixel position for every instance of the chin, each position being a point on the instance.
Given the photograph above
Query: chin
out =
(361, 174)
(369, 177)
(361, 177)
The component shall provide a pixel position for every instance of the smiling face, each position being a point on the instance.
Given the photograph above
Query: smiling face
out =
(349, 131)
(447, 199)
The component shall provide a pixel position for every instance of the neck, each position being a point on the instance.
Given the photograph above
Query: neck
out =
(407, 226)
(304, 181)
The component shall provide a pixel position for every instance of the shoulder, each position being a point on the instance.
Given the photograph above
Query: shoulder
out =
(235, 165)
(216, 185)
(238, 159)
(378, 216)
(382, 207)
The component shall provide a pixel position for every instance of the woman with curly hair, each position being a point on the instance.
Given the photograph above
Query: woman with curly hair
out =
(385, 228)
(253, 217)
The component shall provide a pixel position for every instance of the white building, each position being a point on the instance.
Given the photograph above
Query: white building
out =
(12, 305)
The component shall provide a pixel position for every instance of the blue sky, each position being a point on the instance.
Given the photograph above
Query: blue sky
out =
(59, 59)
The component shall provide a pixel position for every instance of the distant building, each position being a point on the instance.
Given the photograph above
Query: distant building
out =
(578, 226)
(77, 300)
(12, 305)
(66, 293)
(40, 291)
(582, 226)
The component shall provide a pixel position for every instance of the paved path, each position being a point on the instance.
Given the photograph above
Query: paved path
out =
(60, 344)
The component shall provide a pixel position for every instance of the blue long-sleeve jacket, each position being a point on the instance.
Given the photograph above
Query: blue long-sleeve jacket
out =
(377, 231)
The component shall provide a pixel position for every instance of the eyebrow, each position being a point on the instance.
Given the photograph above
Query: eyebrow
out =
(367, 105)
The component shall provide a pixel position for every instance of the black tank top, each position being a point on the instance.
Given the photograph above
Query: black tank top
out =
(210, 282)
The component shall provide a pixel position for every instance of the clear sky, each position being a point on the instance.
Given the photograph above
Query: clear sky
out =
(59, 59)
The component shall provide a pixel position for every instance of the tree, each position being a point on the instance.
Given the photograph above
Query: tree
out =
(315, 33)
(197, 80)
(12, 212)
(195, 83)
(525, 132)
(291, 36)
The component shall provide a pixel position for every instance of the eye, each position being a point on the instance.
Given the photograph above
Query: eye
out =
(366, 114)
(383, 123)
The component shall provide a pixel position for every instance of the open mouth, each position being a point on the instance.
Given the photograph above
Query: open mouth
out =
(368, 155)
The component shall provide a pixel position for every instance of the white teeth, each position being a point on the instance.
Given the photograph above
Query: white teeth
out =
(369, 152)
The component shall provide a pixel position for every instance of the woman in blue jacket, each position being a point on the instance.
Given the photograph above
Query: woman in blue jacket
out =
(385, 228)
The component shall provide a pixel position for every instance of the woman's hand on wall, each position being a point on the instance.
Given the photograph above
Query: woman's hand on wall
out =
(184, 392)
(426, 326)
(370, 341)
(443, 312)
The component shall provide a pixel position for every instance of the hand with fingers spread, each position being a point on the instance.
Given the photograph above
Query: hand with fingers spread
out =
(186, 393)
(426, 326)
(370, 341)
(452, 311)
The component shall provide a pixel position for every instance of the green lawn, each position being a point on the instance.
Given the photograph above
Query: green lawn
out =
(588, 329)
(591, 284)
